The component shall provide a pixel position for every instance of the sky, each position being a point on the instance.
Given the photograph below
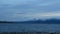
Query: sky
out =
(21, 10)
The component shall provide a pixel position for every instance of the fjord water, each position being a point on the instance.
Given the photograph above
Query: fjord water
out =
(17, 27)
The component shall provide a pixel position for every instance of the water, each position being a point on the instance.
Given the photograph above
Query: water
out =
(29, 27)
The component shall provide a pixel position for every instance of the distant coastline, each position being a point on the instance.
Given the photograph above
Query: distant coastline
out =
(39, 21)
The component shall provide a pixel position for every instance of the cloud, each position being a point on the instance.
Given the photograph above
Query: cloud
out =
(47, 14)
(30, 9)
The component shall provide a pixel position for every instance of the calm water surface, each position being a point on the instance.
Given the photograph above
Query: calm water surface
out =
(29, 27)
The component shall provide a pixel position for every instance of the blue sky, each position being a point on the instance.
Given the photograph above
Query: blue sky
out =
(20, 10)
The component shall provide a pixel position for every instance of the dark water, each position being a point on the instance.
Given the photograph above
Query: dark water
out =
(29, 27)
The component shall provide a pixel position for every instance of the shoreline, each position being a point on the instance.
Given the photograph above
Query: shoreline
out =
(29, 32)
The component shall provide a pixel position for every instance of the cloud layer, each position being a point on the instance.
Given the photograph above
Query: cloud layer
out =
(17, 10)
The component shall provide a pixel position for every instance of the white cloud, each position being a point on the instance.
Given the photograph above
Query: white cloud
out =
(44, 15)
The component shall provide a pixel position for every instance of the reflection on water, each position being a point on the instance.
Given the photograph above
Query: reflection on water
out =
(29, 27)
